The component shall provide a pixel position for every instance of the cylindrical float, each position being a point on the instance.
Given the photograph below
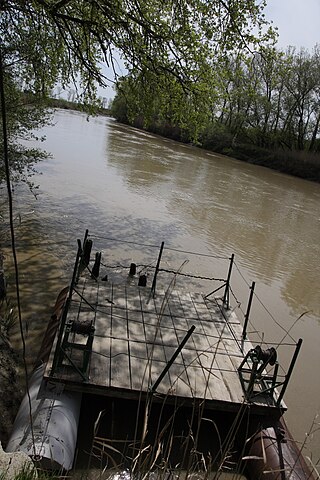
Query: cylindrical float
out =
(52, 439)
(274, 455)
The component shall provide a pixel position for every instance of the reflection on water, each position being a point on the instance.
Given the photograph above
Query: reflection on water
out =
(268, 219)
(123, 183)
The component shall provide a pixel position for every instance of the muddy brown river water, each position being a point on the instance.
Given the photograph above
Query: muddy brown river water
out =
(122, 183)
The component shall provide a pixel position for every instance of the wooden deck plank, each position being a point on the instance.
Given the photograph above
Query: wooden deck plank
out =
(232, 335)
(100, 362)
(163, 348)
(228, 374)
(213, 379)
(171, 339)
(121, 375)
(186, 358)
(136, 335)
(139, 335)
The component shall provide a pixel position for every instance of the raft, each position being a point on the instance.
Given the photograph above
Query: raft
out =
(180, 360)
(51, 442)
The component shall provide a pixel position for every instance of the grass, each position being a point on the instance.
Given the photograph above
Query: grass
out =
(8, 317)
(27, 473)
(150, 450)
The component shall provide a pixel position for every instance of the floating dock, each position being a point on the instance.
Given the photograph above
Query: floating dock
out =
(129, 342)
(173, 374)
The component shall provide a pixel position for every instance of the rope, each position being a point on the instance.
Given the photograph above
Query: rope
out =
(241, 275)
(192, 276)
(287, 332)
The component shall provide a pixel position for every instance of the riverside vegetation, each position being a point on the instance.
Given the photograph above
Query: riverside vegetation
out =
(262, 108)
(190, 76)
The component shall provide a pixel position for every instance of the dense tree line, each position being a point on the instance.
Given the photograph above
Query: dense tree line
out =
(253, 103)
(272, 99)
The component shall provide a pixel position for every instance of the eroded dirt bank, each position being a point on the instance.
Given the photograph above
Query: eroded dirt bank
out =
(10, 391)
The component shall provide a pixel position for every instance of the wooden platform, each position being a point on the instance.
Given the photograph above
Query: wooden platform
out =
(136, 334)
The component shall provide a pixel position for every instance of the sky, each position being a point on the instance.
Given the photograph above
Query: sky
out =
(298, 22)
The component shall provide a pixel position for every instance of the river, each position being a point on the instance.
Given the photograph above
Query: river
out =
(120, 182)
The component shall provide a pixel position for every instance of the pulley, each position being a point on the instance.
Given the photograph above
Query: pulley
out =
(254, 378)
(268, 356)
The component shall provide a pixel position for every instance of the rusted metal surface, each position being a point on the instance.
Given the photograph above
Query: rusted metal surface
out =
(46, 346)
(274, 455)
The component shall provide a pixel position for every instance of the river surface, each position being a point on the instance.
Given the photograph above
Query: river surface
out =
(122, 183)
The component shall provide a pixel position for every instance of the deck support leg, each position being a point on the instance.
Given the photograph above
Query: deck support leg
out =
(246, 317)
(225, 300)
(154, 282)
(289, 373)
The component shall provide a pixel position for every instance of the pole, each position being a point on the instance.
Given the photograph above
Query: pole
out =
(153, 288)
(290, 370)
(225, 300)
(65, 312)
(172, 359)
(246, 317)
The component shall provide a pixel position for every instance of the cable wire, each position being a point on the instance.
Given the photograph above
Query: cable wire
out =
(287, 332)
(157, 246)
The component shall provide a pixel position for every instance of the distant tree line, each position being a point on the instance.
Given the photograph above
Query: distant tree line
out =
(253, 104)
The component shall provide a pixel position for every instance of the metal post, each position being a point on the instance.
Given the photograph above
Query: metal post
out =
(65, 312)
(153, 288)
(252, 379)
(290, 370)
(86, 250)
(87, 247)
(172, 359)
(275, 374)
(85, 236)
(225, 300)
(85, 254)
(96, 267)
(246, 317)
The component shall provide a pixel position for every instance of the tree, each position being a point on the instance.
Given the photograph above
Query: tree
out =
(173, 46)
(23, 116)
(301, 99)
(51, 40)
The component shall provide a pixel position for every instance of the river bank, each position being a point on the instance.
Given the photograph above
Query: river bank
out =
(301, 164)
(296, 163)
(11, 390)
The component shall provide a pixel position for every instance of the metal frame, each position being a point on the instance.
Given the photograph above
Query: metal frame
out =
(255, 370)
